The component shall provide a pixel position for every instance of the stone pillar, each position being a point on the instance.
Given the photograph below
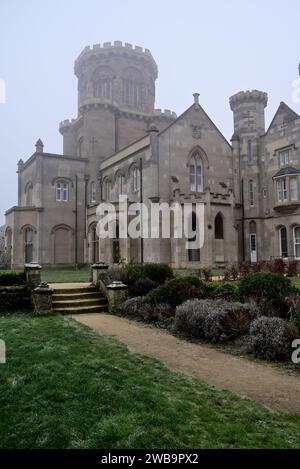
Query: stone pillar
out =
(116, 294)
(33, 274)
(42, 299)
(98, 270)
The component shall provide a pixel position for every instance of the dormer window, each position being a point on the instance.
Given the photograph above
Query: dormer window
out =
(284, 157)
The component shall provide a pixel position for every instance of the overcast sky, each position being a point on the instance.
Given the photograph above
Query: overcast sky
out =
(214, 47)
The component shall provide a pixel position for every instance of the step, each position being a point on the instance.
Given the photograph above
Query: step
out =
(79, 296)
(79, 303)
(82, 309)
(59, 291)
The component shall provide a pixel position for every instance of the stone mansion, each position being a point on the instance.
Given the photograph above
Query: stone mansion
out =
(120, 144)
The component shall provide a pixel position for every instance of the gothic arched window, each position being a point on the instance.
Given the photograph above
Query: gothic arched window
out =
(219, 228)
(196, 173)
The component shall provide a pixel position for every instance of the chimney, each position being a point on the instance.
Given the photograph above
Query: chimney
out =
(196, 101)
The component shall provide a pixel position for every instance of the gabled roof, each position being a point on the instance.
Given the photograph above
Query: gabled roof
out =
(205, 114)
(288, 171)
(283, 114)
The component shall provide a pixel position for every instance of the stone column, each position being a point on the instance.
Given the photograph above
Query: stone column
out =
(116, 294)
(33, 274)
(42, 299)
(98, 270)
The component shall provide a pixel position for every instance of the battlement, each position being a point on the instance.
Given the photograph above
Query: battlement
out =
(116, 46)
(66, 123)
(164, 113)
(248, 96)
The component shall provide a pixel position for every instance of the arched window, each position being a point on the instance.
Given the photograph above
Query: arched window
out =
(28, 241)
(93, 192)
(135, 179)
(219, 228)
(103, 88)
(283, 242)
(120, 184)
(62, 191)
(297, 242)
(193, 252)
(249, 151)
(106, 189)
(251, 193)
(196, 173)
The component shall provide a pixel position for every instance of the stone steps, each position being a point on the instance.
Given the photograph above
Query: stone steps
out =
(78, 299)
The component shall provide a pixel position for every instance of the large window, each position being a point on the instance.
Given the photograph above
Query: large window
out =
(196, 173)
(28, 239)
(132, 93)
(102, 88)
(251, 193)
(282, 194)
(294, 188)
(283, 242)
(297, 242)
(284, 157)
(62, 191)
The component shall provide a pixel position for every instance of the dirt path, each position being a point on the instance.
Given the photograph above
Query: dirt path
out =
(273, 387)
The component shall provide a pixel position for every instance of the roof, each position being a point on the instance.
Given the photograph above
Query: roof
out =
(288, 115)
(288, 171)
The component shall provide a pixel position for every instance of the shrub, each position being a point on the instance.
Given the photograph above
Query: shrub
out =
(12, 278)
(156, 313)
(214, 320)
(268, 289)
(234, 272)
(176, 291)
(292, 268)
(142, 286)
(226, 291)
(158, 273)
(130, 307)
(207, 273)
(271, 338)
(277, 266)
(244, 268)
(14, 297)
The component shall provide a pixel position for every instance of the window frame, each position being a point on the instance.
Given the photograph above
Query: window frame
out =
(281, 239)
(251, 193)
(62, 191)
(196, 173)
(296, 243)
(93, 192)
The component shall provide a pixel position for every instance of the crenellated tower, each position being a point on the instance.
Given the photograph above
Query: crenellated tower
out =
(116, 96)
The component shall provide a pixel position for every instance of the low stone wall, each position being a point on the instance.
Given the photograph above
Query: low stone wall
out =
(14, 297)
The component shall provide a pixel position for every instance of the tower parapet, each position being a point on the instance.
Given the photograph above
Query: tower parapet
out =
(248, 112)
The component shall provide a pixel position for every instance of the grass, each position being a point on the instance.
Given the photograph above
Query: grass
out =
(64, 386)
(65, 275)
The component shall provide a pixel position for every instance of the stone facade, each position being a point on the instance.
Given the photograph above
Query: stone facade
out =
(120, 143)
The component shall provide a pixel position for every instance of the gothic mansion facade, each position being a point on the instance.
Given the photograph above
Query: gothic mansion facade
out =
(120, 144)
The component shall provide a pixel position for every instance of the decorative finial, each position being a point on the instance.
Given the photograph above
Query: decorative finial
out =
(39, 146)
(196, 101)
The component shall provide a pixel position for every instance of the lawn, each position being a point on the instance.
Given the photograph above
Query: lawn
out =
(65, 275)
(64, 386)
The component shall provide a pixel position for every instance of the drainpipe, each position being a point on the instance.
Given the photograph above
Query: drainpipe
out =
(243, 219)
(141, 212)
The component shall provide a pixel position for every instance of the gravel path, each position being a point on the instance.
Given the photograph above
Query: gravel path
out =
(268, 384)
